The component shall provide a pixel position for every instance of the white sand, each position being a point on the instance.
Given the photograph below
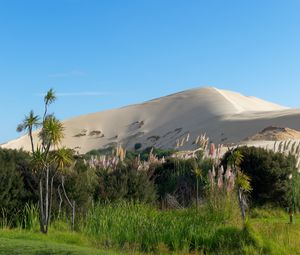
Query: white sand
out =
(226, 117)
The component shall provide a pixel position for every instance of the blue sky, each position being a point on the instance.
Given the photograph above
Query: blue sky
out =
(101, 54)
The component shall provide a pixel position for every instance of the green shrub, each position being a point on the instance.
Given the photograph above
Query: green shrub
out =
(125, 182)
(137, 146)
(17, 183)
(269, 173)
(176, 177)
(144, 154)
(293, 192)
(80, 184)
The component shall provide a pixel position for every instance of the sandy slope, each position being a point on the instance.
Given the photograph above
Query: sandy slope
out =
(226, 117)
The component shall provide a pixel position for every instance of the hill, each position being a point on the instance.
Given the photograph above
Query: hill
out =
(226, 117)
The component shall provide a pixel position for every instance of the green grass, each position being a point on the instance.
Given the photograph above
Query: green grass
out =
(216, 230)
(127, 228)
(144, 228)
(275, 231)
(30, 243)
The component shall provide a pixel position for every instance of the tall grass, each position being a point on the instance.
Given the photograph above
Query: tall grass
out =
(29, 217)
(5, 219)
(145, 228)
(24, 218)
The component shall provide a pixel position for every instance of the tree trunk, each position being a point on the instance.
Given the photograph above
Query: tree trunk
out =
(291, 218)
(291, 214)
(60, 201)
(73, 215)
(47, 200)
(42, 216)
(50, 203)
(69, 202)
(241, 203)
(197, 195)
(31, 140)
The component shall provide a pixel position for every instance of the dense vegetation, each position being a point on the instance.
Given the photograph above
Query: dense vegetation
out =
(108, 220)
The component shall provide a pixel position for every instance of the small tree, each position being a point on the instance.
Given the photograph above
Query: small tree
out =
(30, 122)
(242, 180)
(45, 161)
(269, 173)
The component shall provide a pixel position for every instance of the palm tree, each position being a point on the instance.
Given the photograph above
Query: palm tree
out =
(39, 163)
(63, 157)
(243, 181)
(51, 133)
(43, 161)
(48, 99)
(235, 159)
(30, 122)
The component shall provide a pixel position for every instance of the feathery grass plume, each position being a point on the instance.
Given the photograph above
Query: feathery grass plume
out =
(288, 144)
(151, 155)
(219, 151)
(298, 148)
(187, 137)
(220, 181)
(211, 179)
(182, 142)
(197, 140)
(121, 153)
(274, 148)
(298, 163)
(229, 180)
(293, 148)
(212, 150)
(285, 145)
(103, 162)
(280, 147)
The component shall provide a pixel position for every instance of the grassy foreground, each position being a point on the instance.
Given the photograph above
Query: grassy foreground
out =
(130, 229)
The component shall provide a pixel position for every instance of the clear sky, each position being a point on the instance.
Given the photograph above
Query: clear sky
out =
(101, 54)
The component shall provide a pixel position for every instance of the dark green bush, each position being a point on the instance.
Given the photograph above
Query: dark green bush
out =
(17, 183)
(137, 146)
(80, 185)
(176, 177)
(269, 173)
(127, 183)
(144, 154)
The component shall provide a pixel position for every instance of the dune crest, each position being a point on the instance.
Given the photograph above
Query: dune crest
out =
(275, 134)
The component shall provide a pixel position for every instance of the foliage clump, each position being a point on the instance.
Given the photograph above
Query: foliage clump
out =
(269, 174)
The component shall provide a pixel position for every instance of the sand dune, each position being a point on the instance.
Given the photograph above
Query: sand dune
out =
(225, 116)
(275, 134)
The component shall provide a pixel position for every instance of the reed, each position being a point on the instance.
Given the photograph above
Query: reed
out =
(145, 228)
